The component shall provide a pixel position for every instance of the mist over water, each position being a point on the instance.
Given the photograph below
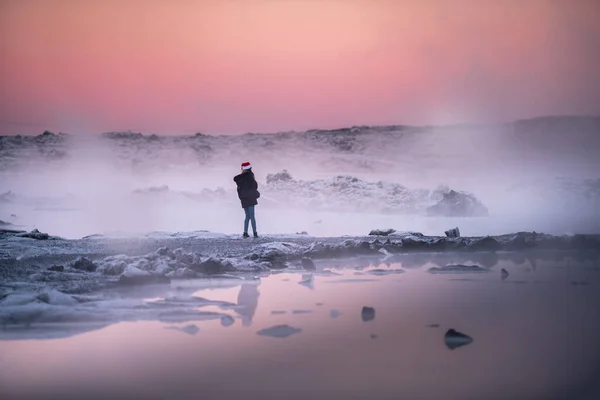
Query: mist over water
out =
(541, 174)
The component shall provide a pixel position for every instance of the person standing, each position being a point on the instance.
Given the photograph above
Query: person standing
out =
(247, 189)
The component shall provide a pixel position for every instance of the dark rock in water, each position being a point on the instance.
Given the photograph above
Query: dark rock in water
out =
(373, 336)
(303, 233)
(83, 264)
(487, 243)
(4, 223)
(433, 325)
(454, 339)
(504, 274)
(308, 264)
(35, 234)
(7, 197)
(453, 233)
(56, 268)
(367, 314)
(457, 269)
(457, 204)
(381, 232)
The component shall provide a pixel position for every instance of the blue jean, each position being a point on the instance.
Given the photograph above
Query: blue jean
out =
(249, 218)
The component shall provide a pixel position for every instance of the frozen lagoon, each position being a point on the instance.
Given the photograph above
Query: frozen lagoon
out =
(534, 334)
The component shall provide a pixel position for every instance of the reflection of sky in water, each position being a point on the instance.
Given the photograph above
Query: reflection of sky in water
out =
(535, 335)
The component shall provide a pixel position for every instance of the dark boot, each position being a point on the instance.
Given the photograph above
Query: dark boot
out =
(255, 235)
(245, 235)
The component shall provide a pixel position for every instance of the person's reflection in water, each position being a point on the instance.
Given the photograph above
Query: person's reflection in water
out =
(248, 298)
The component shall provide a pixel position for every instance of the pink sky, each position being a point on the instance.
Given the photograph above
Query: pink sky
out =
(227, 66)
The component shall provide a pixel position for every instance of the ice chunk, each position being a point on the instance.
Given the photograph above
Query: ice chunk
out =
(136, 276)
(276, 312)
(367, 314)
(57, 298)
(334, 314)
(433, 325)
(189, 329)
(457, 269)
(279, 331)
(182, 273)
(301, 311)
(454, 339)
(453, 233)
(373, 336)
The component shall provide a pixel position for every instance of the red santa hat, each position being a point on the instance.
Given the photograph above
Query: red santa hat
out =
(246, 165)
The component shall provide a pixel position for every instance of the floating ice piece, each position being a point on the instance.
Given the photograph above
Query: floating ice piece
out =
(279, 331)
(189, 329)
(379, 271)
(504, 273)
(227, 320)
(457, 269)
(454, 339)
(136, 276)
(57, 298)
(277, 312)
(433, 325)
(301, 311)
(367, 314)
(374, 336)
(334, 314)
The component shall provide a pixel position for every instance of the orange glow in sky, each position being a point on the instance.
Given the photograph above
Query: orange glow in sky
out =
(234, 66)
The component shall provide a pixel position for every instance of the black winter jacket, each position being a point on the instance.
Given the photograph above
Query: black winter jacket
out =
(247, 189)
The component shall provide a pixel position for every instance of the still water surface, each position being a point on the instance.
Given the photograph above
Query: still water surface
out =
(535, 335)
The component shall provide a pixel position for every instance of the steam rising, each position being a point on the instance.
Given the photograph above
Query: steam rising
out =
(539, 174)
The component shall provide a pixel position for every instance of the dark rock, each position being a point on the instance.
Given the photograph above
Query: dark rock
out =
(454, 339)
(56, 268)
(367, 314)
(4, 223)
(83, 264)
(303, 233)
(504, 274)
(453, 233)
(308, 264)
(381, 232)
(212, 266)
